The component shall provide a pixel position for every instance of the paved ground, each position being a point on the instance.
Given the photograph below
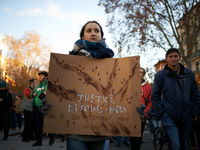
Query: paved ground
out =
(14, 142)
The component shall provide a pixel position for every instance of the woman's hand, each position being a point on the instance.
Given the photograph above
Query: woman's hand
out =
(86, 53)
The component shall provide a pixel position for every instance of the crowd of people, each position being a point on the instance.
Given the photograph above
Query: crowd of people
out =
(173, 99)
(16, 112)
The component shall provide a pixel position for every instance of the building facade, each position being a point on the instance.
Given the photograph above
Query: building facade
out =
(191, 40)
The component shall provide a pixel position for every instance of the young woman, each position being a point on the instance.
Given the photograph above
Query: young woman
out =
(91, 44)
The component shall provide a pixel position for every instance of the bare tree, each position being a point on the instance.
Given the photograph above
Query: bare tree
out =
(139, 25)
(26, 57)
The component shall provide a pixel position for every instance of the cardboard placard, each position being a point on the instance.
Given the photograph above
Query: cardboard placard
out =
(93, 96)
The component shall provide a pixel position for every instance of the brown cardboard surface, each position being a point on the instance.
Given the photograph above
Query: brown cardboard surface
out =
(93, 96)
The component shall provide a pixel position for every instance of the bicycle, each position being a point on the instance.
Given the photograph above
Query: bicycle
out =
(159, 138)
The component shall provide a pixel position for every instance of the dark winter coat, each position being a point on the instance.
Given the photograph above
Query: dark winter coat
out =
(177, 95)
(7, 101)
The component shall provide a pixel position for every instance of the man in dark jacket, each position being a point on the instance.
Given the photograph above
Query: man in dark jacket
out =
(175, 96)
(5, 104)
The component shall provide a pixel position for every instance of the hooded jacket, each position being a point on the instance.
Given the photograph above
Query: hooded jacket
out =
(177, 95)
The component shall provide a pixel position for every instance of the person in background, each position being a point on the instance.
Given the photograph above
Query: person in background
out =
(175, 96)
(195, 132)
(145, 100)
(28, 111)
(5, 104)
(91, 44)
(11, 113)
(125, 141)
(38, 95)
(18, 111)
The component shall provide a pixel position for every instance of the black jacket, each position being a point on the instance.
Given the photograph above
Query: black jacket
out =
(178, 96)
(7, 101)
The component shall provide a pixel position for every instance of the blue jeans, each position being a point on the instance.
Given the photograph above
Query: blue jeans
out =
(118, 140)
(155, 123)
(17, 120)
(177, 132)
(107, 143)
(82, 145)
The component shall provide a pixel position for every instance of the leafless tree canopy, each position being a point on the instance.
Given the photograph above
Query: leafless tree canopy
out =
(138, 25)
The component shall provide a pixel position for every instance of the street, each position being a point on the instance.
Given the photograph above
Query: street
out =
(14, 142)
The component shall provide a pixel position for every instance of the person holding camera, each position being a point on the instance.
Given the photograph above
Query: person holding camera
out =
(39, 95)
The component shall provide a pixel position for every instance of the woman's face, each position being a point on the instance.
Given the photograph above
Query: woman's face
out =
(92, 33)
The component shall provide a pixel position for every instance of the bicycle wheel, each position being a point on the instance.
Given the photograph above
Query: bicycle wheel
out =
(158, 138)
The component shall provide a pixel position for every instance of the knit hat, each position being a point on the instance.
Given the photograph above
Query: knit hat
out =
(3, 84)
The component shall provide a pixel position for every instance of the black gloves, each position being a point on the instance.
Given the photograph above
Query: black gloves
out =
(141, 110)
(44, 107)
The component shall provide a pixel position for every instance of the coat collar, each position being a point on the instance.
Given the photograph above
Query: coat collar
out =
(171, 73)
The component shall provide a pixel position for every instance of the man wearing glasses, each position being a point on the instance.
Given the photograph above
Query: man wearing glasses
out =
(28, 111)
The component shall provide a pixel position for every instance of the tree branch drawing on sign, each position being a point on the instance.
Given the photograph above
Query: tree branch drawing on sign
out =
(109, 89)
